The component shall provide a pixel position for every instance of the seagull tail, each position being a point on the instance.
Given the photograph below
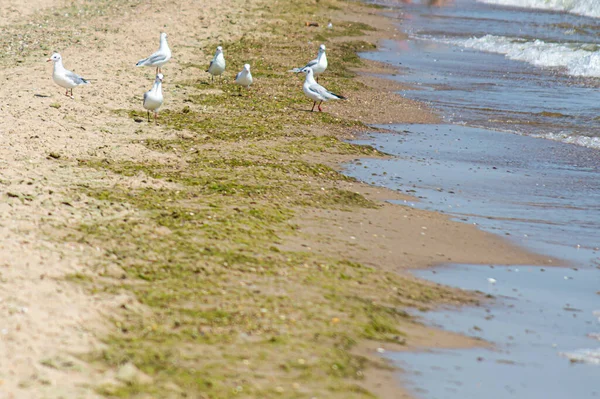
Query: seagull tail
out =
(295, 70)
(339, 97)
(141, 62)
(86, 81)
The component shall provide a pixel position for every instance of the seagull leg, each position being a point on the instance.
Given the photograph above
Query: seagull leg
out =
(313, 108)
(155, 118)
(320, 110)
(148, 116)
(72, 94)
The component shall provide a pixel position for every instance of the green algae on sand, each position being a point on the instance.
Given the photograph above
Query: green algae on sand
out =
(222, 309)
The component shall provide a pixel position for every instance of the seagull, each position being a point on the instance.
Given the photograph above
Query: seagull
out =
(63, 77)
(315, 91)
(244, 78)
(160, 57)
(153, 98)
(318, 65)
(217, 65)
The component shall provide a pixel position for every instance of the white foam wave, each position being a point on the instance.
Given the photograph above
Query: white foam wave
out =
(590, 8)
(584, 141)
(577, 59)
(589, 356)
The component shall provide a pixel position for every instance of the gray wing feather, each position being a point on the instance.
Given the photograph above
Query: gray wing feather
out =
(311, 64)
(76, 78)
(318, 89)
(154, 58)
(238, 75)
(323, 92)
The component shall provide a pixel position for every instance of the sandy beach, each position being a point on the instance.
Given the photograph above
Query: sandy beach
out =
(220, 253)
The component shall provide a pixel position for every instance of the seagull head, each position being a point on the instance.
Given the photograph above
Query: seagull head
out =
(219, 49)
(159, 77)
(247, 67)
(163, 36)
(54, 58)
(321, 48)
(307, 71)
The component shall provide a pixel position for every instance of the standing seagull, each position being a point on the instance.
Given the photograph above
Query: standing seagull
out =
(217, 65)
(244, 78)
(63, 77)
(315, 91)
(153, 98)
(160, 57)
(318, 65)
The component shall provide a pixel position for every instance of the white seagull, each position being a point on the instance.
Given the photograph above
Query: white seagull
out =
(153, 98)
(217, 65)
(160, 57)
(318, 65)
(63, 77)
(315, 91)
(244, 78)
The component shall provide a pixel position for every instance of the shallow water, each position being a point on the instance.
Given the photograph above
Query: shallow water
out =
(538, 193)
(541, 318)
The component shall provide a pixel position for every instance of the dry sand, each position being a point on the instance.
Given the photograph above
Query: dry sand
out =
(45, 319)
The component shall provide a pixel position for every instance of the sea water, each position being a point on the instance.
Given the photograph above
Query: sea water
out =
(538, 193)
(519, 155)
(522, 70)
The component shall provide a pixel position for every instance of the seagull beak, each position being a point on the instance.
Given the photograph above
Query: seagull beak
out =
(48, 60)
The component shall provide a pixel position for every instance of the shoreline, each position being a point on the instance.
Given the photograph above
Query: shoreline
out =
(454, 166)
(288, 268)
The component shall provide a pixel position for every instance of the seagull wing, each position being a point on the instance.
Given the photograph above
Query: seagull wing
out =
(323, 92)
(78, 80)
(153, 59)
(156, 58)
(311, 64)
